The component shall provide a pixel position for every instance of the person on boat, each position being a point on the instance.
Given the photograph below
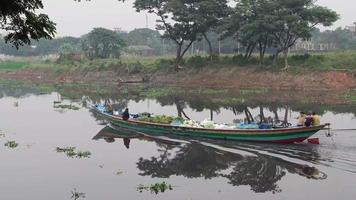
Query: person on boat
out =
(301, 119)
(126, 114)
(308, 120)
(109, 109)
(316, 119)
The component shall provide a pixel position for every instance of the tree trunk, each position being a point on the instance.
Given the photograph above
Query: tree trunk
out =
(285, 54)
(286, 116)
(261, 52)
(210, 46)
(211, 115)
(262, 115)
(276, 117)
(247, 117)
(179, 110)
(251, 50)
(178, 56)
(275, 57)
(247, 51)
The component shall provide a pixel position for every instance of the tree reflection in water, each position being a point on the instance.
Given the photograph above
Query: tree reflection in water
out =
(240, 163)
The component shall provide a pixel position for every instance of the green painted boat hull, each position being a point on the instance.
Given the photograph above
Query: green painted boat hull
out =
(285, 135)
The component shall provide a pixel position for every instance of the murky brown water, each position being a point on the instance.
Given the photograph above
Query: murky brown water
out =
(196, 168)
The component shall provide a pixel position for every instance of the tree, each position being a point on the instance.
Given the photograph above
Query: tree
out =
(184, 21)
(21, 22)
(145, 36)
(250, 26)
(294, 20)
(175, 20)
(208, 14)
(102, 43)
(65, 50)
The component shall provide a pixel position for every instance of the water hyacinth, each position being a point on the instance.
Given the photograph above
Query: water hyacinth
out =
(71, 153)
(11, 144)
(155, 188)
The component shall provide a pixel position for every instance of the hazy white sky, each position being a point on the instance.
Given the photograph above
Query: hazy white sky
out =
(75, 19)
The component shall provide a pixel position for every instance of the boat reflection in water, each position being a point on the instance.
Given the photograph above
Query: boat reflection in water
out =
(260, 166)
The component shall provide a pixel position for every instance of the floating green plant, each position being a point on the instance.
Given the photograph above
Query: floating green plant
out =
(83, 154)
(70, 152)
(119, 172)
(155, 188)
(77, 195)
(66, 106)
(11, 144)
(65, 149)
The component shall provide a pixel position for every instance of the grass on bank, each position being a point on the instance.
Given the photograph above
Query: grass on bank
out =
(331, 61)
(11, 65)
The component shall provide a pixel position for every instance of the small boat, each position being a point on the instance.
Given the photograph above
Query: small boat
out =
(275, 135)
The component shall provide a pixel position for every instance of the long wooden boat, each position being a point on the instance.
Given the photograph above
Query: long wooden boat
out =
(280, 135)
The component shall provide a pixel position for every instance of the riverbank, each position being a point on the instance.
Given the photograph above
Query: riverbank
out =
(220, 72)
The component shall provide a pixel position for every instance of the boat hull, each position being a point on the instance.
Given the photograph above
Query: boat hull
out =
(286, 135)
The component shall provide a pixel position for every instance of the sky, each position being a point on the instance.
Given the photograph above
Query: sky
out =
(76, 19)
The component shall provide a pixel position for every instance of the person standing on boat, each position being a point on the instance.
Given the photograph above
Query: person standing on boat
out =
(316, 119)
(308, 120)
(301, 119)
(126, 114)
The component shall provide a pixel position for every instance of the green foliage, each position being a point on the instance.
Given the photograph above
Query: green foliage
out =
(22, 23)
(71, 153)
(145, 36)
(197, 61)
(343, 39)
(40, 47)
(155, 188)
(102, 43)
(159, 119)
(66, 106)
(11, 144)
(64, 149)
(184, 21)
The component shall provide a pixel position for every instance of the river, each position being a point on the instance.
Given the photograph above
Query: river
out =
(194, 168)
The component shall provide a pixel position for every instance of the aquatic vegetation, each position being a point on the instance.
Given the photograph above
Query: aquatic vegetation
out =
(71, 153)
(77, 195)
(83, 154)
(66, 106)
(11, 144)
(155, 188)
(119, 172)
(65, 149)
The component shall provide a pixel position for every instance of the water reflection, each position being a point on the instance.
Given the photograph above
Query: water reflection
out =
(259, 166)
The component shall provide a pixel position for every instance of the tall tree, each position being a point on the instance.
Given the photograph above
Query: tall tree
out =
(175, 20)
(21, 22)
(208, 15)
(184, 21)
(102, 43)
(294, 20)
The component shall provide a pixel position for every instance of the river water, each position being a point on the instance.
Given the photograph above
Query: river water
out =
(195, 168)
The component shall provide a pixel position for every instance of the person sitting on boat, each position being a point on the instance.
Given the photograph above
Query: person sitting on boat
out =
(126, 114)
(109, 109)
(301, 119)
(308, 120)
(316, 119)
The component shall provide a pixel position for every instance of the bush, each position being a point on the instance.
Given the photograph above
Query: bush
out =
(197, 62)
